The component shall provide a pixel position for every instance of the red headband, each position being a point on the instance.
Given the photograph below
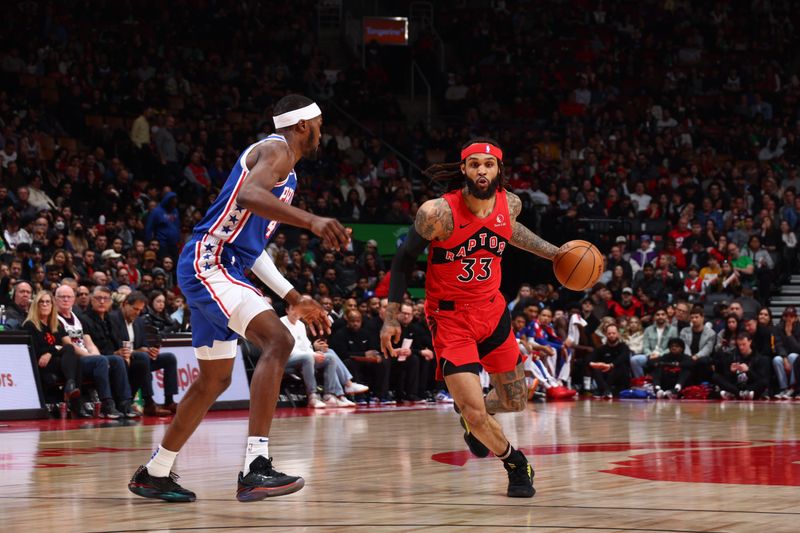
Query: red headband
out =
(482, 148)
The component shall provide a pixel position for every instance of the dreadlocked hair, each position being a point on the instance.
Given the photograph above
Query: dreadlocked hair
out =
(451, 172)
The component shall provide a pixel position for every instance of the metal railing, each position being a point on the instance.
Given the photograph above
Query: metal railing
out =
(420, 14)
(417, 71)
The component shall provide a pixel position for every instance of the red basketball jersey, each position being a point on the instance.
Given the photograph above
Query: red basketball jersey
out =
(466, 267)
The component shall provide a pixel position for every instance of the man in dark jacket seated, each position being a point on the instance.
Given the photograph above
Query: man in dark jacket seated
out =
(128, 327)
(742, 373)
(97, 325)
(672, 370)
(360, 350)
(610, 365)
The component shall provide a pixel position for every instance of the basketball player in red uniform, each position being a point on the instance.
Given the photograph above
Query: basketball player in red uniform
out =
(467, 231)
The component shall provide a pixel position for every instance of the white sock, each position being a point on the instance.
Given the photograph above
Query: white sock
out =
(256, 446)
(161, 462)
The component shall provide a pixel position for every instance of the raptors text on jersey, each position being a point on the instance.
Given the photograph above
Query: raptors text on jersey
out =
(466, 266)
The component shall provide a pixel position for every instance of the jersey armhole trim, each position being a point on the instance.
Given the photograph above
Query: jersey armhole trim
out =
(271, 137)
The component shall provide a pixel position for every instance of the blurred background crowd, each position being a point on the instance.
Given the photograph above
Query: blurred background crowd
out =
(664, 131)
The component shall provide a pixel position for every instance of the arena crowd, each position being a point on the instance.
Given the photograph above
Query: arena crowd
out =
(672, 124)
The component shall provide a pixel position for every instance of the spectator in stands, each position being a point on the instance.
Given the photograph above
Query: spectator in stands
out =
(166, 148)
(523, 293)
(742, 265)
(656, 337)
(788, 250)
(13, 233)
(155, 314)
(108, 372)
(182, 314)
(633, 336)
(610, 365)
(359, 348)
(765, 339)
(616, 258)
(726, 337)
(542, 332)
(743, 373)
(699, 339)
(128, 331)
(163, 223)
(787, 334)
(693, 285)
(405, 368)
(762, 263)
(17, 312)
(682, 313)
(309, 357)
(97, 324)
(82, 298)
(647, 282)
(617, 282)
(670, 275)
(53, 350)
(628, 306)
(671, 371)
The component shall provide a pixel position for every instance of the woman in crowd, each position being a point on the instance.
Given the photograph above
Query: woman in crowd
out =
(181, 315)
(54, 351)
(618, 282)
(38, 278)
(168, 265)
(634, 335)
(156, 314)
(726, 339)
(77, 238)
(787, 252)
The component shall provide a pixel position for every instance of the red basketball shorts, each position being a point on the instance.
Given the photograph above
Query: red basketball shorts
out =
(465, 333)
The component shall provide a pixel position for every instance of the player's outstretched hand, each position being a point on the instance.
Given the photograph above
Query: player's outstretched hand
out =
(314, 316)
(332, 233)
(390, 334)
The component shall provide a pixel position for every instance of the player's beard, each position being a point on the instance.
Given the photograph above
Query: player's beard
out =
(312, 148)
(490, 191)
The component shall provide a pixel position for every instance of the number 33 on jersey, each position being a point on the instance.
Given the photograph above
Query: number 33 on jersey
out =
(466, 266)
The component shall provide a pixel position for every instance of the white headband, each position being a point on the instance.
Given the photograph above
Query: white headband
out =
(291, 118)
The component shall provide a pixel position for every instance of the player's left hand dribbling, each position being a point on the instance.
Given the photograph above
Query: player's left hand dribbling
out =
(331, 231)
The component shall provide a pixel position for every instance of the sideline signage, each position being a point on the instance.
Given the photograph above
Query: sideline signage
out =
(237, 395)
(20, 394)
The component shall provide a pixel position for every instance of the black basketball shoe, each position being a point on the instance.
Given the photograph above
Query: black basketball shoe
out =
(475, 446)
(520, 476)
(160, 488)
(263, 481)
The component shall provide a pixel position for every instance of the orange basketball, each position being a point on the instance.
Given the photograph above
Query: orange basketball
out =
(579, 265)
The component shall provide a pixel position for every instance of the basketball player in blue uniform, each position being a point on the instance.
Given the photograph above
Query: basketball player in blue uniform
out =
(211, 273)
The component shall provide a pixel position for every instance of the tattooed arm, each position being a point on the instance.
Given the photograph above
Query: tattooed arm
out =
(434, 221)
(522, 237)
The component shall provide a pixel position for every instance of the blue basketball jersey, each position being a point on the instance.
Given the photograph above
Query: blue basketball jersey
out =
(242, 232)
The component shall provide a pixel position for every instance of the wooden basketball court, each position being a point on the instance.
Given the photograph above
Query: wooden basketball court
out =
(600, 466)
